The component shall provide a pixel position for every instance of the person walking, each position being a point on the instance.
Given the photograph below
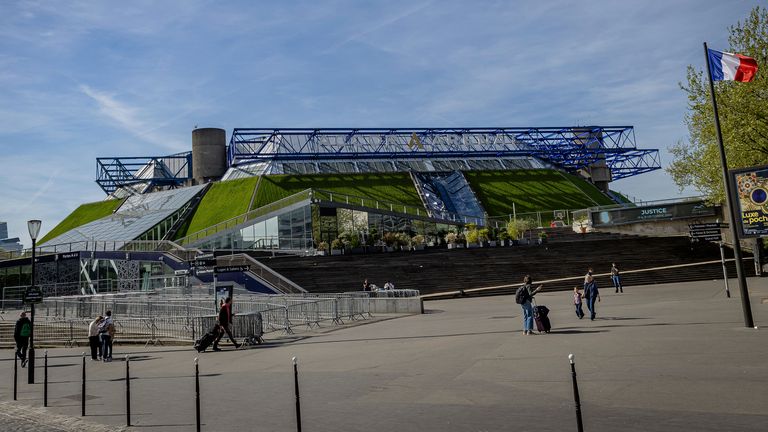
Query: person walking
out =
(106, 333)
(21, 334)
(225, 323)
(524, 297)
(93, 338)
(591, 293)
(616, 279)
(577, 302)
(366, 286)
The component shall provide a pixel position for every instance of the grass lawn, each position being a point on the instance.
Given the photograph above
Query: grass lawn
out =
(532, 190)
(390, 187)
(82, 215)
(224, 200)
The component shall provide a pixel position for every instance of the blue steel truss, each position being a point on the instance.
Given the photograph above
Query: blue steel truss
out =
(570, 148)
(172, 170)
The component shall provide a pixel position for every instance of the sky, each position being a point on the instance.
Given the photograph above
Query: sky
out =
(81, 80)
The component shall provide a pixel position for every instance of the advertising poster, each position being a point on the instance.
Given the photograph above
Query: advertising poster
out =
(751, 192)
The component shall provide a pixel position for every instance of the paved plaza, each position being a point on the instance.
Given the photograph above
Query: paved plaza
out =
(657, 358)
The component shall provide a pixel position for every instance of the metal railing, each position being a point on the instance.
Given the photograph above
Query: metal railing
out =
(150, 318)
(245, 217)
(270, 276)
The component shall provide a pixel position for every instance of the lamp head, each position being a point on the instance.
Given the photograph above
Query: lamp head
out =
(34, 228)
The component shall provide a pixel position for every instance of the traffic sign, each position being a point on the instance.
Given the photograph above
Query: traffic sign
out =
(704, 232)
(712, 225)
(716, 238)
(230, 269)
(205, 262)
(33, 294)
(182, 272)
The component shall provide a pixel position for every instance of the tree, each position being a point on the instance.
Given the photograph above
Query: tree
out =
(743, 109)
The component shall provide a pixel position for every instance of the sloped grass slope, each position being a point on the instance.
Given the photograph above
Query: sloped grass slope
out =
(390, 187)
(224, 200)
(82, 215)
(532, 190)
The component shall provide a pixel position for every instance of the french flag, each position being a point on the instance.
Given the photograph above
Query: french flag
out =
(725, 66)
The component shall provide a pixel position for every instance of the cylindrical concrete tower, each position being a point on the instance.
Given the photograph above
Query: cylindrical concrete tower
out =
(209, 154)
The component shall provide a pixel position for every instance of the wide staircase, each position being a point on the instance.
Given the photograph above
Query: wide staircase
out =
(441, 270)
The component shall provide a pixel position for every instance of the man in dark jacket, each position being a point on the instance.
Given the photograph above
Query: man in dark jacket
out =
(21, 336)
(225, 323)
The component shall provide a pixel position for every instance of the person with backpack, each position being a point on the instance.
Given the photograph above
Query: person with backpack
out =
(21, 335)
(106, 333)
(591, 293)
(524, 297)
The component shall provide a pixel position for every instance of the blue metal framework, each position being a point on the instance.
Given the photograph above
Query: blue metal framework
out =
(570, 148)
(172, 170)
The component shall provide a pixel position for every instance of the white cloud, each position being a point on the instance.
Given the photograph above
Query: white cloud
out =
(130, 119)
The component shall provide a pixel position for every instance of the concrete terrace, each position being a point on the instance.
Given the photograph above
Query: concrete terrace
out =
(664, 357)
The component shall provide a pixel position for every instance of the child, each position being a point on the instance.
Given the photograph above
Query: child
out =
(577, 301)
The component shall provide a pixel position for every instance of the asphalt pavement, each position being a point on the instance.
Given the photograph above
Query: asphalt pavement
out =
(657, 358)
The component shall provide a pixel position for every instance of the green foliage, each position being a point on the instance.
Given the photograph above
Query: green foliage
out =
(483, 235)
(743, 109)
(337, 244)
(418, 239)
(390, 187)
(533, 190)
(223, 201)
(82, 215)
(472, 234)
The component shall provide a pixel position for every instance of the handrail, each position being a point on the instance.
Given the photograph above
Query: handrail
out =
(96, 246)
(245, 217)
(278, 281)
(319, 194)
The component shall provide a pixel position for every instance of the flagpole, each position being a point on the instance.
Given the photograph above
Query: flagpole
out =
(745, 303)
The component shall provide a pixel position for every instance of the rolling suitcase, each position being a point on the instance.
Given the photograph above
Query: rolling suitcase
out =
(204, 342)
(541, 316)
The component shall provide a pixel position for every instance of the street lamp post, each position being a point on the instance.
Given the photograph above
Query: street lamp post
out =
(34, 229)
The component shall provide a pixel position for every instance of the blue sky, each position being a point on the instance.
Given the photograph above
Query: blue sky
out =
(80, 80)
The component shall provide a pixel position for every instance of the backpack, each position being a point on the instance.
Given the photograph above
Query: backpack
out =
(521, 295)
(25, 330)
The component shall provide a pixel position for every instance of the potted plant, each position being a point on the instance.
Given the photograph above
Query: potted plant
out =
(542, 237)
(418, 242)
(513, 232)
(403, 241)
(356, 245)
(337, 247)
(472, 235)
(451, 238)
(322, 248)
(390, 240)
(461, 240)
(484, 237)
(503, 237)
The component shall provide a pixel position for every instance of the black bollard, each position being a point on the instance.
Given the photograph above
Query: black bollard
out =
(45, 379)
(15, 374)
(296, 387)
(197, 395)
(127, 390)
(579, 425)
(82, 398)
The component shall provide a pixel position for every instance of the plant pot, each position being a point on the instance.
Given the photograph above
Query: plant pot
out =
(453, 246)
(492, 243)
(418, 247)
(474, 245)
(336, 251)
(389, 248)
(358, 250)
(321, 253)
